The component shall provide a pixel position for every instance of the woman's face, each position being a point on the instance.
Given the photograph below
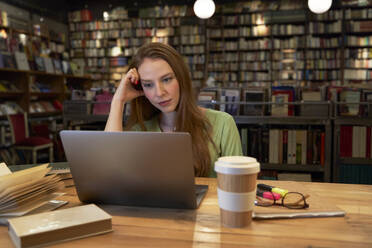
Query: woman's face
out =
(159, 84)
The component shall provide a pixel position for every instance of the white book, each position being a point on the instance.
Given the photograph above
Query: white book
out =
(362, 141)
(58, 226)
(48, 65)
(355, 144)
(21, 61)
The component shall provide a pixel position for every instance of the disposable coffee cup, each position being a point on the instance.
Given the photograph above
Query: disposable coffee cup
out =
(237, 180)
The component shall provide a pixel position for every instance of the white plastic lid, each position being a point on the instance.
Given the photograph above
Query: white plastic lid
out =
(237, 160)
(237, 165)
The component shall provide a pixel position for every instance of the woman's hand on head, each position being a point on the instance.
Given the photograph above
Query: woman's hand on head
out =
(126, 91)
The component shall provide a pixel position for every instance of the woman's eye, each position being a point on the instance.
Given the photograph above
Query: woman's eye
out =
(147, 85)
(167, 80)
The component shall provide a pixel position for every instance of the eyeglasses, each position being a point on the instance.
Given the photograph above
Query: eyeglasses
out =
(292, 200)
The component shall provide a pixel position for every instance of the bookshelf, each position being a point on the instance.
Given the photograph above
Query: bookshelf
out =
(34, 87)
(105, 47)
(352, 145)
(258, 140)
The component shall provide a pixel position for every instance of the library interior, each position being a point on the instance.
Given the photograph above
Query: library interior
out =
(295, 76)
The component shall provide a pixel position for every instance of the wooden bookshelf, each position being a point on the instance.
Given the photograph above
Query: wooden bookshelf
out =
(25, 96)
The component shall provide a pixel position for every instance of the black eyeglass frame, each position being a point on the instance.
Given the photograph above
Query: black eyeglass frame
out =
(294, 206)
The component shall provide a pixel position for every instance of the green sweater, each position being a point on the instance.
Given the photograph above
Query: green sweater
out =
(225, 135)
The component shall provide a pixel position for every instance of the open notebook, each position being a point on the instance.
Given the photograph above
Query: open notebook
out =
(319, 206)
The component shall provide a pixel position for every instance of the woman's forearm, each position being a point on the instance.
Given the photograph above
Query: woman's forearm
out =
(115, 119)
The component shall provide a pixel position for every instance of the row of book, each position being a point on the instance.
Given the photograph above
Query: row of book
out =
(359, 26)
(328, 15)
(9, 108)
(215, 66)
(42, 107)
(323, 64)
(258, 6)
(195, 59)
(191, 30)
(254, 76)
(284, 146)
(255, 56)
(44, 64)
(291, 43)
(287, 29)
(198, 49)
(8, 86)
(358, 53)
(358, 40)
(323, 54)
(40, 87)
(262, 44)
(295, 65)
(316, 42)
(322, 74)
(99, 25)
(226, 57)
(164, 11)
(280, 98)
(257, 31)
(358, 13)
(355, 142)
(361, 74)
(319, 27)
(359, 63)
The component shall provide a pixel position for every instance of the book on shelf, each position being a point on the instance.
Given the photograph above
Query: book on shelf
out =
(21, 61)
(279, 106)
(355, 141)
(1, 57)
(102, 107)
(41, 107)
(206, 96)
(281, 96)
(57, 66)
(8, 86)
(8, 108)
(284, 146)
(311, 106)
(367, 97)
(254, 95)
(352, 97)
(8, 60)
(48, 65)
(66, 67)
(25, 190)
(77, 68)
(40, 65)
(229, 95)
(59, 226)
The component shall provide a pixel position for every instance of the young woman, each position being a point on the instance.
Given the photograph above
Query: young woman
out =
(167, 103)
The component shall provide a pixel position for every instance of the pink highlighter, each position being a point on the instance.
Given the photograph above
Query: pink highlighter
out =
(268, 195)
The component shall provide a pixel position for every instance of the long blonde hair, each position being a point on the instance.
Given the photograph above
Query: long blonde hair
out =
(189, 116)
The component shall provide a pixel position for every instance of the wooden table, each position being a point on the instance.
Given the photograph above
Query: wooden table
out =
(151, 227)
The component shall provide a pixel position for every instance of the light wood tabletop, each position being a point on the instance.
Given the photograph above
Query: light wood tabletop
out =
(154, 227)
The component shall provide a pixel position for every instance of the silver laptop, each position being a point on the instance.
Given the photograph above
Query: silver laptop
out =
(133, 168)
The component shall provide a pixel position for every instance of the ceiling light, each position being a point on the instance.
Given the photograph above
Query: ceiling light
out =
(319, 6)
(204, 9)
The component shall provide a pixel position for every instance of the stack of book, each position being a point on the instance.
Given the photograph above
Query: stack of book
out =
(25, 190)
